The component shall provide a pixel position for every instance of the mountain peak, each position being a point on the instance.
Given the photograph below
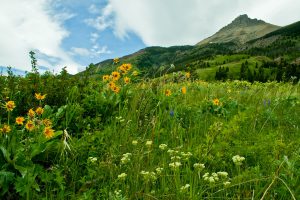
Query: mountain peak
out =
(241, 30)
(243, 21)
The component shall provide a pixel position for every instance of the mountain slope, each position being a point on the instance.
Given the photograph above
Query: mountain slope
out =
(241, 30)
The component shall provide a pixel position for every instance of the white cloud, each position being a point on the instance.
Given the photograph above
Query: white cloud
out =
(29, 25)
(93, 53)
(93, 9)
(103, 21)
(94, 37)
(175, 22)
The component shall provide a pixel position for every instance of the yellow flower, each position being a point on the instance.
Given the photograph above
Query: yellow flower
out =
(168, 92)
(115, 75)
(127, 67)
(47, 122)
(10, 105)
(183, 90)
(216, 102)
(39, 96)
(31, 113)
(115, 89)
(29, 125)
(135, 73)
(20, 120)
(39, 111)
(48, 132)
(111, 84)
(188, 75)
(116, 60)
(5, 129)
(126, 80)
(105, 77)
(122, 68)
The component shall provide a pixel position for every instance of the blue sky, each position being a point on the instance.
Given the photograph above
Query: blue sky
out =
(75, 33)
(88, 37)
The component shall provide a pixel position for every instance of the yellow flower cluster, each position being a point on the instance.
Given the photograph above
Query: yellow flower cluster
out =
(31, 122)
(116, 76)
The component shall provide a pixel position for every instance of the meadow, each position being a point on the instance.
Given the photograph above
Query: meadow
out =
(123, 136)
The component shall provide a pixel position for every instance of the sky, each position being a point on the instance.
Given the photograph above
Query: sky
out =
(75, 33)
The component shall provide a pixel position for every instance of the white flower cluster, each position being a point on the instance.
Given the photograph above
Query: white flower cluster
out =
(186, 156)
(126, 158)
(175, 165)
(159, 170)
(238, 160)
(172, 152)
(148, 176)
(163, 147)
(120, 119)
(148, 143)
(175, 158)
(122, 176)
(184, 188)
(219, 176)
(211, 178)
(134, 142)
(222, 174)
(92, 159)
(199, 166)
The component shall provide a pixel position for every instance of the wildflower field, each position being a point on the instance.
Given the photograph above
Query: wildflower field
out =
(123, 136)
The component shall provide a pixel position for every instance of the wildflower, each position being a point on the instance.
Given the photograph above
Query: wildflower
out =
(105, 78)
(187, 74)
(199, 166)
(134, 142)
(115, 89)
(211, 178)
(29, 125)
(122, 176)
(227, 183)
(127, 67)
(186, 156)
(111, 84)
(126, 158)
(172, 152)
(148, 176)
(175, 165)
(162, 146)
(116, 76)
(126, 80)
(31, 113)
(216, 102)
(47, 122)
(20, 120)
(10, 105)
(185, 188)
(135, 73)
(39, 111)
(172, 113)
(159, 170)
(168, 92)
(149, 143)
(48, 132)
(5, 129)
(183, 90)
(92, 159)
(175, 158)
(238, 160)
(116, 60)
(222, 174)
(39, 96)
